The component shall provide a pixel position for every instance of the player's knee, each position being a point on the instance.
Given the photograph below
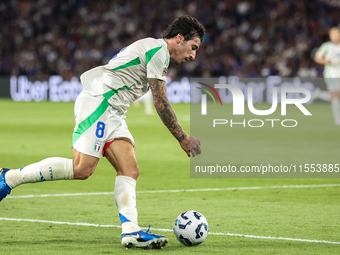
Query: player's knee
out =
(132, 172)
(82, 171)
(135, 172)
(84, 175)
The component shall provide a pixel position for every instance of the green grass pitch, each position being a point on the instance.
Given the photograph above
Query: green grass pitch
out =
(30, 132)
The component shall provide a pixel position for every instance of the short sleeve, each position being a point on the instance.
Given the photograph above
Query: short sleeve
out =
(322, 51)
(157, 63)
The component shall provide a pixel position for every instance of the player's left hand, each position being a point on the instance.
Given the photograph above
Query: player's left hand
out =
(191, 144)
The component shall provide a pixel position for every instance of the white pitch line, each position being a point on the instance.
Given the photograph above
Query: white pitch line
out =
(64, 195)
(276, 238)
(63, 223)
(170, 230)
(181, 190)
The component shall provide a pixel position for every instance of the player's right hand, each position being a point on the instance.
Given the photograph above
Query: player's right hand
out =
(191, 144)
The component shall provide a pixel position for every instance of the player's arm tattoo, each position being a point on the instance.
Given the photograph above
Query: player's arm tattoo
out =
(164, 108)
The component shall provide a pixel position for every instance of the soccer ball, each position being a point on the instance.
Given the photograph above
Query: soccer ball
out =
(191, 228)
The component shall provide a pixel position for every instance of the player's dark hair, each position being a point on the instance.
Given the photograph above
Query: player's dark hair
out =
(186, 25)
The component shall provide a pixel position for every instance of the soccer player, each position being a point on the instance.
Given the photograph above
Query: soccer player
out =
(329, 55)
(100, 122)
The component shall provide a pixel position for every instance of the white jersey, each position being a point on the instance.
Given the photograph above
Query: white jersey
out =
(331, 51)
(125, 78)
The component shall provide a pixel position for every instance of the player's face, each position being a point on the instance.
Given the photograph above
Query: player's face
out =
(335, 36)
(186, 51)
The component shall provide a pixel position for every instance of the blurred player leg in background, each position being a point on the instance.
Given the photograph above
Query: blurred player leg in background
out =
(334, 88)
(332, 95)
(321, 94)
(148, 103)
(329, 55)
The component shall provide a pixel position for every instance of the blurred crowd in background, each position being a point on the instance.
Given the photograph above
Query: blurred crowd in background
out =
(247, 38)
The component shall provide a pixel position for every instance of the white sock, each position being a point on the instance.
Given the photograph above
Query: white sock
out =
(336, 111)
(46, 170)
(125, 197)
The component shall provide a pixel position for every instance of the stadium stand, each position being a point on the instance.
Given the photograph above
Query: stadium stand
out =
(247, 38)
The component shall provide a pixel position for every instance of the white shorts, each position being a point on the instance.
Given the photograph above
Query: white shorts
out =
(333, 84)
(97, 125)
